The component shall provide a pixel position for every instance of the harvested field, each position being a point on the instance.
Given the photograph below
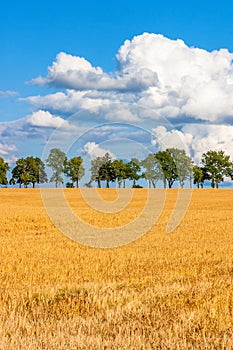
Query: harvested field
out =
(163, 291)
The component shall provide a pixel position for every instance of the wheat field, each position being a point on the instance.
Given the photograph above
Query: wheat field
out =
(163, 291)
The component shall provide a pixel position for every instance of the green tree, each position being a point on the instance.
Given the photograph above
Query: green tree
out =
(216, 165)
(74, 169)
(121, 171)
(168, 166)
(107, 172)
(153, 171)
(133, 172)
(198, 176)
(96, 164)
(183, 165)
(36, 169)
(4, 167)
(20, 173)
(28, 170)
(56, 161)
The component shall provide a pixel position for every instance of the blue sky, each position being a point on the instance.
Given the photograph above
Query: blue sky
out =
(179, 90)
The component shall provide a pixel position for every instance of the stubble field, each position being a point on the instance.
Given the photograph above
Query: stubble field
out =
(163, 291)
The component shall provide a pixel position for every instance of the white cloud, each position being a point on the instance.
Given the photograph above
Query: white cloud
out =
(209, 137)
(45, 119)
(69, 102)
(164, 75)
(164, 138)
(75, 72)
(192, 81)
(8, 153)
(196, 139)
(6, 149)
(8, 93)
(94, 150)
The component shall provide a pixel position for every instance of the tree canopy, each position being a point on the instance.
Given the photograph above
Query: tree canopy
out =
(216, 165)
(153, 171)
(56, 161)
(4, 167)
(74, 169)
(28, 170)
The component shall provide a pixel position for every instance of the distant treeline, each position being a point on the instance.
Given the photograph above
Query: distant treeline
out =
(167, 166)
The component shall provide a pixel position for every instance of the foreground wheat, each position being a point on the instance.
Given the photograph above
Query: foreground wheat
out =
(164, 291)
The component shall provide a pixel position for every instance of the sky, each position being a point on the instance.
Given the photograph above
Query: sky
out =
(124, 77)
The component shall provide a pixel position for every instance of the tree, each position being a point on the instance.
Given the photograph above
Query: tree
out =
(183, 164)
(20, 173)
(96, 164)
(217, 165)
(74, 169)
(56, 160)
(107, 172)
(198, 176)
(36, 169)
(121, 171)
(153, 171)
(28, 170)
(134, 169)
(4, 167)
(168, 167)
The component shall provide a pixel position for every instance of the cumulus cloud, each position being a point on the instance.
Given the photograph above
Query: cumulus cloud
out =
(77, 73)
(209, 137)
(155, 72)
(69, 102)
(195, 139)
(93, 150)
(192, 81)
(164, 138)
(45, 119)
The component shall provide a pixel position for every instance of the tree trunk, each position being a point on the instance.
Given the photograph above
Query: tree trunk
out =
(164, 183)
(99, 184)
(190, 182)
(33, 185)
(107, 183)
(77, 185)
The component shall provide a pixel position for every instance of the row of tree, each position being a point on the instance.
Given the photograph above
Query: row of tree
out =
(167, 166)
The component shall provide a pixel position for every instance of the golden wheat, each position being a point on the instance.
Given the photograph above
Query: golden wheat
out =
(163, 291)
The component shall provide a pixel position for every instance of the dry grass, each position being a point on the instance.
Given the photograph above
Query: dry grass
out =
(164, 291)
